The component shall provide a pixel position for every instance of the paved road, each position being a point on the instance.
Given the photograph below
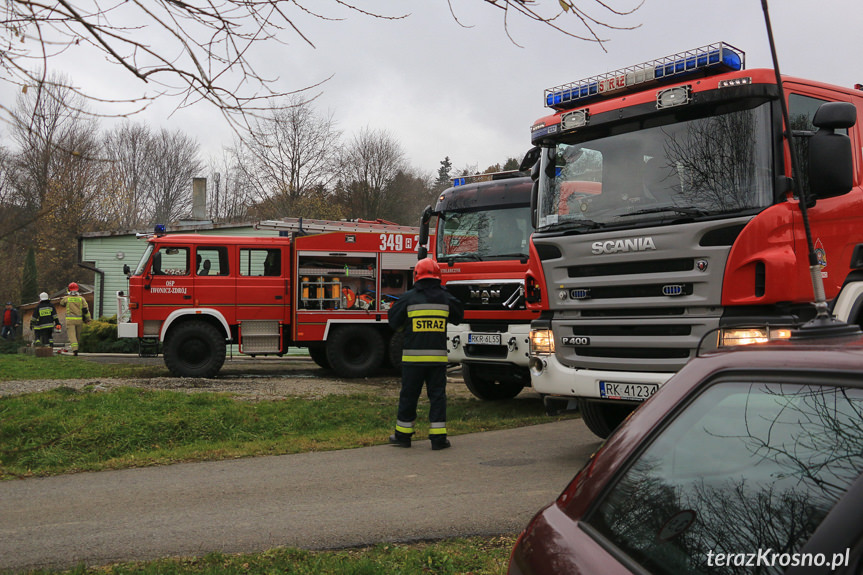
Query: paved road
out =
(488, 483)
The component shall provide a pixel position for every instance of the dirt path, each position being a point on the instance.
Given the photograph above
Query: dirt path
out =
(254, 379)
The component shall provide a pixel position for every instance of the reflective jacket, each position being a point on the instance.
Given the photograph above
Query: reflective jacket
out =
(44, 316)
(422, 314)
(76, 309)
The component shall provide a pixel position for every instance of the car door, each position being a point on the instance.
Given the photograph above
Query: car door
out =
(262, 286)
(168, 281)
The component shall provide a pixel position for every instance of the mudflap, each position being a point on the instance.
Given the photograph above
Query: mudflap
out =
(557, 405)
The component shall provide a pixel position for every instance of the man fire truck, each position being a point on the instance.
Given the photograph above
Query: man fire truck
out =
(328, 290)
(664, 211)
(483, 228)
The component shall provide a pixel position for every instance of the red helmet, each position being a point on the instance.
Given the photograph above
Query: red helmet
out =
(73, 286)
(426, 268)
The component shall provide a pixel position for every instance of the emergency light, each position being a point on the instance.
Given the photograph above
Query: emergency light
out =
(710, 59)
(464, 180)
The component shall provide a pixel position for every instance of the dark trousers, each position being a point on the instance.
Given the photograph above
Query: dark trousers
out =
(413, 377)
(45, 336)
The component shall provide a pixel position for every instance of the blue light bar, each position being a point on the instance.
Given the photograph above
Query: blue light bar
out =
(160, 228)
(458, 181)
(710, 59)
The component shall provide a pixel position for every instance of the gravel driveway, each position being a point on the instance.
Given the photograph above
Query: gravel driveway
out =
(246, 377)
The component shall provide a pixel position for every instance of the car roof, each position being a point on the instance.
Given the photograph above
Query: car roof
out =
(816, 354)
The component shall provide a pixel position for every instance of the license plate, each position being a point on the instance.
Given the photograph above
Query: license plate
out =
(484, 338)
(627, 391)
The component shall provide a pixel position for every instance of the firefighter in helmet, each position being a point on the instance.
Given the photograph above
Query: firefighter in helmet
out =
(44, 321)
(77, 314)
(422, 314)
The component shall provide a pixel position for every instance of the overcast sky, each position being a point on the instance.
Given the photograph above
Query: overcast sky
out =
(470, 93)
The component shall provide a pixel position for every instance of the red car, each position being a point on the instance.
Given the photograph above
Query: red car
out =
(746, 461)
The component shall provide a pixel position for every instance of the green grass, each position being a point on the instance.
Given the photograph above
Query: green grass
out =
(473, 555)
(65, 430)
(19, 366)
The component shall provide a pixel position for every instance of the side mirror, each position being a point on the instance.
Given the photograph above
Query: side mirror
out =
(831, 165)
(422, 252)
(126, 269)
(534, 198)
(534, 193)
(530, 159)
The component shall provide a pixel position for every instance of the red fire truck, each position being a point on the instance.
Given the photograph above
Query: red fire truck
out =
(482, 229)
(322, 285)
(664, 211)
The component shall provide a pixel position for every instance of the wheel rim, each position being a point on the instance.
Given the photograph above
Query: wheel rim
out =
(194, 352)
(356, 350)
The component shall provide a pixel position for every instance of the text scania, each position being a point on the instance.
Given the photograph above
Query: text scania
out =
(626, 245)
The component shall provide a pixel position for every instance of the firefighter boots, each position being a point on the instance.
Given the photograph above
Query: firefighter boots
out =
(399, 439)
(439, 443)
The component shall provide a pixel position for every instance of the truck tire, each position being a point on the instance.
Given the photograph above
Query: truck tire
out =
(487, 388)
(602, 418)
(355, 350)
(194, 349)
(318, 353)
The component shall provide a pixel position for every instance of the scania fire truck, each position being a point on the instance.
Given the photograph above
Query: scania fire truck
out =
(664, 211)
(322, 285)
(483, 228)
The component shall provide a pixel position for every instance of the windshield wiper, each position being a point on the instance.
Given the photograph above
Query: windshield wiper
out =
(573, 224)
(466, 255)
(512, 255)
(682, 210)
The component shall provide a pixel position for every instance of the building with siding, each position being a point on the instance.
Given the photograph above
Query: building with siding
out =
(105, 254)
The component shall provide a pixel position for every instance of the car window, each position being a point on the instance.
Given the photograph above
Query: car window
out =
(260, 262)
(746, 467)
(212, 261)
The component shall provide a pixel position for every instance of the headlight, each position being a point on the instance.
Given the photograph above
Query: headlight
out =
(541, 341)
(750, 335)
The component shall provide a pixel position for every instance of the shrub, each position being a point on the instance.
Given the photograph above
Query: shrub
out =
(10, 345)
(100, 336)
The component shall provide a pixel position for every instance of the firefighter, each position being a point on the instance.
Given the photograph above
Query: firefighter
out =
(422, 314)
(77, 314)
(44, 321)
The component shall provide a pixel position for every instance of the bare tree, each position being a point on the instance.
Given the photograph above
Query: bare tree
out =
(370, 162)
(126, 151)
(172, 163)
(550, 13)
(56, 178)
(230, 194)
(47, 122)
(292, 153)
(196, 51)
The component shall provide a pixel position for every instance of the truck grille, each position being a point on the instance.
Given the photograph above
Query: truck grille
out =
(641, 310)
(487, 296)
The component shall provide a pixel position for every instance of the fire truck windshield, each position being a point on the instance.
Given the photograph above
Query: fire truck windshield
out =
(139, 269)
(660, 170)
(489, 234)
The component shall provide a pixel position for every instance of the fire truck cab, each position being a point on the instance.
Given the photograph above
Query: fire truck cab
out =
(483, 230)
(327, 291)
(665, 211)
